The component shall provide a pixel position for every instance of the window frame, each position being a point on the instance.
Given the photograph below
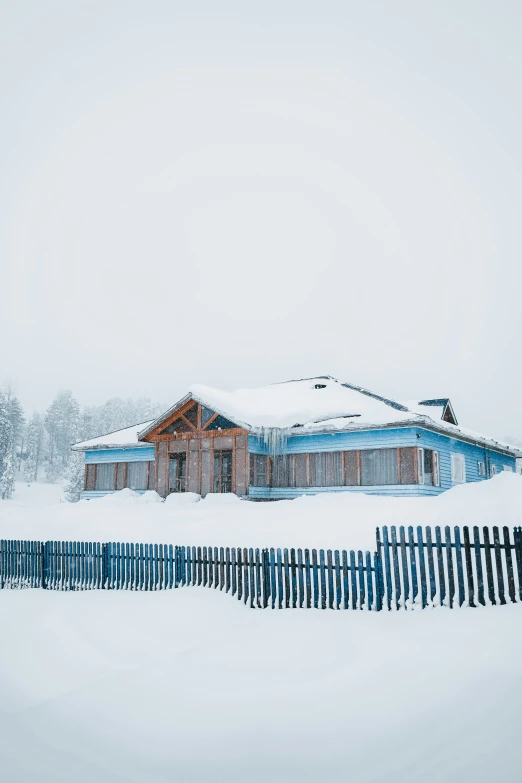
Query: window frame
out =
(219, 454)
(458, 468)
(180, 480)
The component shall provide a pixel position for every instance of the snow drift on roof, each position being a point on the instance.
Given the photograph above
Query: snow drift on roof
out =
(126, 437)
(299, 403)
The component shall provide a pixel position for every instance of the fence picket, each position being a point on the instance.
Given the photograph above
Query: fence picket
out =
(300, 578)
(315, 578)
(346, 589)
(286, 566)
(251, 568)
(478, 566)
(396, 572)
(509, 564)
(330, 579)
(307, 579)
(449, 564)
(440, 563)
(387, 564)
(353, 575)
(498, 563)
(369, 580)
(246, 580)
(293, 578)
(360, 569)
(518, 556)
(279, 565)
(233, 555)
(404, 563)
(337, 566)
(469, 567)
(431, 565)
(323, 578)
(413, 566)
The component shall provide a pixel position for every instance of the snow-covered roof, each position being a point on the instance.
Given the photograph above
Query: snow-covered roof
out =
(320, 404)
(323, 404)
(128, 437)
(321, 400)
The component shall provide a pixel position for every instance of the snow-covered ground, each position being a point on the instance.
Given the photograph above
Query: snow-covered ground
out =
(338, 520)
(190, 685)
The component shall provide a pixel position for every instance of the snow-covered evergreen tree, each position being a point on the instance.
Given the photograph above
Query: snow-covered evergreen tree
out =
(62, 422)
(74, 477)
(6, 444)
(7, 479)
(35, 433)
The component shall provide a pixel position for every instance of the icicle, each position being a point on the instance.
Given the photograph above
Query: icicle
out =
(273, 438)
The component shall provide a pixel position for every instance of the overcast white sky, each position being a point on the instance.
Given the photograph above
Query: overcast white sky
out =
(240, 193)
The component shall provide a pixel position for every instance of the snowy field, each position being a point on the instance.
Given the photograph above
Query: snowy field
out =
(336, 520)
(190, 685)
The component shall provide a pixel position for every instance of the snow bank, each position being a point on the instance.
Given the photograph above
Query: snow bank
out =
(190, 685)
(337, 520)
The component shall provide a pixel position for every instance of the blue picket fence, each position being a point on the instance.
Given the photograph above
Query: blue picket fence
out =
(408, 569)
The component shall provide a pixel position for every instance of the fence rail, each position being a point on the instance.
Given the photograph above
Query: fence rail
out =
(408, 569)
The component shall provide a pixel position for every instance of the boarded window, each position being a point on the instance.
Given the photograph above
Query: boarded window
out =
(300, 470)
(90, 477)
(120, 475)
(326, 469)
(407, 460)
(351, 468)
(137, 475)
(282, 471)
(105, 476)
(318, 470)
(258, 470)
(378, 467)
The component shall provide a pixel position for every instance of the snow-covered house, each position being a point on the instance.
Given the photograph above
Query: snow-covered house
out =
(294, 438)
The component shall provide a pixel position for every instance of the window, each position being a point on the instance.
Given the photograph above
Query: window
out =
(120, 475)
(177, 472)
(258, 470)
(137, 475)
(105, 476)
(378, 467)
(507, 469)
(458, 469)
(282, 471)
(407, 459)
(351, 468)
(429, 467)
(481, 469)
(326, 469)
(493, 470)
(222, 471)
(220, 423)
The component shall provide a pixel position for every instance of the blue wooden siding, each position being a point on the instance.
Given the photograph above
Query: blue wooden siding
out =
(139, 454)
(341, 441)
(381, 439)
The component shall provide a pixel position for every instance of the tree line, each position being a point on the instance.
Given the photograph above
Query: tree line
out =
(40, 446)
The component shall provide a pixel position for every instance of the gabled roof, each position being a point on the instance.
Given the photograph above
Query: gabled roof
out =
(126, 438)
(319, 404)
